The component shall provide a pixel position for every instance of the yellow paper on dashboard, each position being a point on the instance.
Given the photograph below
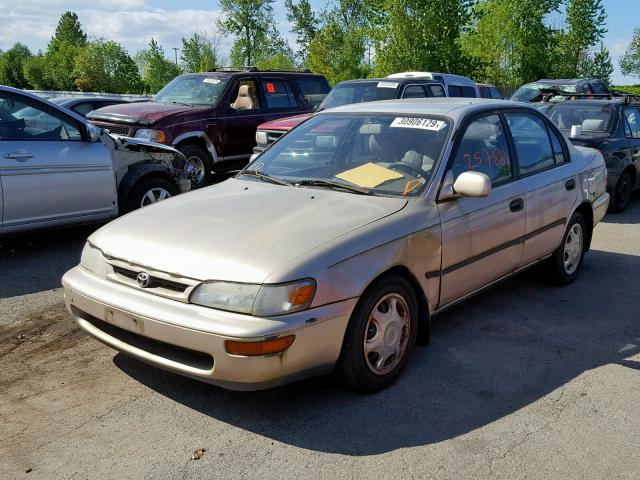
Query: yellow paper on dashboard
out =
(369, 175)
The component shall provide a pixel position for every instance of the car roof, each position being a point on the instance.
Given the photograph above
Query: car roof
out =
(453, 107)
(593, 101)
(391, 80)
(564, 81)
(233, 73)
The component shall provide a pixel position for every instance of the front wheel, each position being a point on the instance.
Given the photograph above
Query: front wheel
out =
(380, 336)
(622, 192)
(197, 165)
(149, 191)
(566, 262)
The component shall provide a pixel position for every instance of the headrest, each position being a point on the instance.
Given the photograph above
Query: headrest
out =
(593, 125)
(244, 91)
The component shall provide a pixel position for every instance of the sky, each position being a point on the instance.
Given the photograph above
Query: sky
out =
(134, 22)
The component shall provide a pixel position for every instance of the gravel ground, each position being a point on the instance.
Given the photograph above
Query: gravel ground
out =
(524, 381)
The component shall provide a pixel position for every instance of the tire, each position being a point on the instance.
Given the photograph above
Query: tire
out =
(198, 161)
(147, 191)
(566, 262)
(360, 366)
(622, 192)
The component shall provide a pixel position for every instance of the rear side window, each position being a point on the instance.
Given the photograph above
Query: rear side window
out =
(437, 91)
(278, 94)
(556, 143)
(84, 108)
(469, 92)
(495, 93)
(314, 89)
(533, 147)
(485, 92)
(414, 91)
(455, 91)
(483, 148)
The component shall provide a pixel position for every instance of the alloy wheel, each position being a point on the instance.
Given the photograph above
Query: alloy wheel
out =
(154, 195)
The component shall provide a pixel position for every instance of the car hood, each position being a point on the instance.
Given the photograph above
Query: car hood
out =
(239, 230)
(286, 123)
(143, 113)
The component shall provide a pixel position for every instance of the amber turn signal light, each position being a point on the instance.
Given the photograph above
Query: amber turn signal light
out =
(265, 347)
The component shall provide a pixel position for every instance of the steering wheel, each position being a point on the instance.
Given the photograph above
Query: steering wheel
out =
(406, 168)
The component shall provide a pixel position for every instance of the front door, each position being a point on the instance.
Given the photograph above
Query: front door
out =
(482, 237)
(49, 173)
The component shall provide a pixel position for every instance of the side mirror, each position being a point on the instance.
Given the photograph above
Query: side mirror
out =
(94, 132)
(472, 184)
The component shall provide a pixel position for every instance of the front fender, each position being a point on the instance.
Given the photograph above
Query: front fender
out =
(138, 170)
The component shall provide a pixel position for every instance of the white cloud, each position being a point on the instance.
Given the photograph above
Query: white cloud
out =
(130, 22)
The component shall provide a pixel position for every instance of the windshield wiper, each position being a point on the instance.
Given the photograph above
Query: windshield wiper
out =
(334, 186)
(265, 177)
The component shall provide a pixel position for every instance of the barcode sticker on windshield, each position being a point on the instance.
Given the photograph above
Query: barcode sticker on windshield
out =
(211, 80)
(416, 122)
(387, 85)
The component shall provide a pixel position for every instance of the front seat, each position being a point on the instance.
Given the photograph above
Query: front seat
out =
(243, 101)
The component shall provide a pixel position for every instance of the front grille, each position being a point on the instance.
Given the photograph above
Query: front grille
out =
(115, 129)
(183, 356)
(273, 135)
(154, 281)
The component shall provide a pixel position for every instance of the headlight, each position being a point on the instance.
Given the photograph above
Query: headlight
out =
(261, 138)
(259, 300)
(93, 260)
(151, 135)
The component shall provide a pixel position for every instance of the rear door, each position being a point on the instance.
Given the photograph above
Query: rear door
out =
(482, 237)
(49, 173)
(551, 189)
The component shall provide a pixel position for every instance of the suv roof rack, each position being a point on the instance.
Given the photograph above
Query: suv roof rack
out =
(550, 94)
(251, 68)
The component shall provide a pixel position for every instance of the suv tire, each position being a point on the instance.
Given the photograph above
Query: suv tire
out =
(199, 162)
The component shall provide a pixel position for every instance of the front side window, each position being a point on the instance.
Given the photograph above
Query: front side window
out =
(533, 147)
(384, 154)
(633, 122)
(278, 94)
(193, 90)
(26, 120)
(483, 148)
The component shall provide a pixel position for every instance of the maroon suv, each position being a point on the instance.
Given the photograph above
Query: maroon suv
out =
(212, 117)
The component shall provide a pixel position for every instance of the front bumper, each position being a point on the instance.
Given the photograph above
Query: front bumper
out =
(189, 339)
(600, 206)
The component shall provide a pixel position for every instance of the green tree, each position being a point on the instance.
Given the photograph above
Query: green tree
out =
(12, 66)
(598, 66)
(585, 27)
(105, 66)
(305, 25)
(420, 35)
(156, 70)
(35, 71)
(199, 54)
(66, 44)
(249, 21)
(630, 61)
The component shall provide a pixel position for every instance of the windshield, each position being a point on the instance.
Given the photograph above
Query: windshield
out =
(378, 154)
(530, 91)
(197, 90)
(357, 92)
(593, 120)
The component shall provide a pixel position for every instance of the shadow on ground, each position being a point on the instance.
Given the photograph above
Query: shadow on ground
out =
(489, 357)
(34, 262)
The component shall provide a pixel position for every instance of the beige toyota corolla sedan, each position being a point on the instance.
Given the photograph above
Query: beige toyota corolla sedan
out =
(334, 249)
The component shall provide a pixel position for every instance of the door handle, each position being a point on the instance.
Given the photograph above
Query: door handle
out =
(570, 184)
(516, 205)
(20, 156)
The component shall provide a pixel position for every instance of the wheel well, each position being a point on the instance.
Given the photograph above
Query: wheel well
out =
(424, 319)
(194, 141)
(124, 195)
(631, 169)
(587, 213)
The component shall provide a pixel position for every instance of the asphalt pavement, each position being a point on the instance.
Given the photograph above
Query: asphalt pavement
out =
(525, 381)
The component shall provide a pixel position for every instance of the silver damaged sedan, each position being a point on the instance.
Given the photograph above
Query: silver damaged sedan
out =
(333, 249)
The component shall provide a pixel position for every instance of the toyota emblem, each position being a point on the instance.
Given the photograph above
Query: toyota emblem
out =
(143, 279)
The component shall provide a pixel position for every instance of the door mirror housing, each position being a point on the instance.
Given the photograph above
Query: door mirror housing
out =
(472, 184)
(93, 132)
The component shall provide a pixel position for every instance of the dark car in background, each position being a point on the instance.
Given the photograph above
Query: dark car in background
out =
(353, 91)
(612, 126)
(212, 117)
(83, 105)
(536, 91)
(490, 91)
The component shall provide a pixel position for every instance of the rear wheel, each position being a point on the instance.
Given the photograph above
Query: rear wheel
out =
(380, 336)
(149, 191)
(197, 164)
(622, 192)
(565, 264)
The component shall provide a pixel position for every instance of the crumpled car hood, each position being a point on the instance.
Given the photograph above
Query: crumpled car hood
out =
(239, 230)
